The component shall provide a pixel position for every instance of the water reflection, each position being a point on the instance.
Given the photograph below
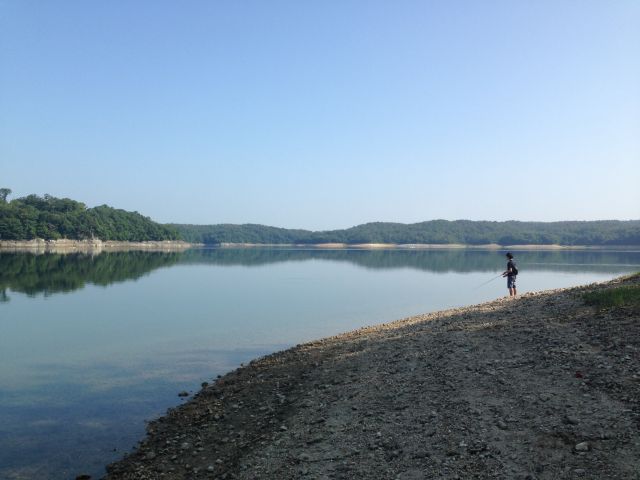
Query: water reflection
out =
(453, 260)
(81, 372)
(52, 273)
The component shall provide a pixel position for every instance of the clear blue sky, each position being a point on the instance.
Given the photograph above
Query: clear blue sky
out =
(325, 114)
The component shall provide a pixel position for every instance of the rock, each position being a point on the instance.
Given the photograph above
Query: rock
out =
(582, 447)
(315, 439)
(183, 394)
(385, 421)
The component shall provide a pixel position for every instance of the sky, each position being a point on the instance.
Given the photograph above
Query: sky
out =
(325, 114)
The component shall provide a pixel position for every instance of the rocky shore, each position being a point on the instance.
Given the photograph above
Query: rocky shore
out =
(540, 387)
(40, 245)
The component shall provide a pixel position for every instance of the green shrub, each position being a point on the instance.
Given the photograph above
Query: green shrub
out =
(614, 297)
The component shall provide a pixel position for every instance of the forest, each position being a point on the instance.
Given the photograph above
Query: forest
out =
(53, 218)
(601, 233)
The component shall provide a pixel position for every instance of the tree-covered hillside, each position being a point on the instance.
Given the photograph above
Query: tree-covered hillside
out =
(606, 232)
(54, 218)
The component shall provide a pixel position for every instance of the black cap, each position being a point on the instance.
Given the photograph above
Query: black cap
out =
(509, 255)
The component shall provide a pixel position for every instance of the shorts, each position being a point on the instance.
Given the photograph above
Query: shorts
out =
(511, 281)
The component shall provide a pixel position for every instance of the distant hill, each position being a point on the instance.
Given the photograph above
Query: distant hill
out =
(596, 233)
(53, 218)
(49, 217)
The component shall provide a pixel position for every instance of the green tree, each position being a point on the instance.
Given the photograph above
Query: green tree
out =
(4, 193)
(49, 217)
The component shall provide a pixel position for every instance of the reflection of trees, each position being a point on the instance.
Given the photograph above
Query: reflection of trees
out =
(56, 273)
(52, 273)
(459, 260)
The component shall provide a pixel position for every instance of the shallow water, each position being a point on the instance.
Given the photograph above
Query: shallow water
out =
(92, 346)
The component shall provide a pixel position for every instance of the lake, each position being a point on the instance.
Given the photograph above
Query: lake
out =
(92, 346)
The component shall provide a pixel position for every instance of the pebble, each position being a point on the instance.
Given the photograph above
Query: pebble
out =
(443, 443)
(582, 447)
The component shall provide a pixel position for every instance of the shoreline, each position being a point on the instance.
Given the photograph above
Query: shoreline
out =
(421, 246)
(91, 246)
(95, 246)
(542, 386)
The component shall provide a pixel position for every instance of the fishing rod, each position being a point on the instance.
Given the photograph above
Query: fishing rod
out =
(489, 281)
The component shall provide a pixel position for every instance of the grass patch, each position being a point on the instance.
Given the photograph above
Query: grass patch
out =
(614, 297)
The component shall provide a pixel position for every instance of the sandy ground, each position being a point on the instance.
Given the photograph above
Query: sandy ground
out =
(540, 387)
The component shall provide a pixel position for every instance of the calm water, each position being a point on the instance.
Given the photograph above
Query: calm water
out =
(92, 346)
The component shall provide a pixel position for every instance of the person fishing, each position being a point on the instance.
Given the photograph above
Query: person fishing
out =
(511, 273)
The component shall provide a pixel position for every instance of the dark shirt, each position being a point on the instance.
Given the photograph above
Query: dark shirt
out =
(510, 266)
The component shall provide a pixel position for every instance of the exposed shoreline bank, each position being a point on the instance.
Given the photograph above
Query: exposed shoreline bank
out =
(539, 387)
(424, 246)
(94, 246)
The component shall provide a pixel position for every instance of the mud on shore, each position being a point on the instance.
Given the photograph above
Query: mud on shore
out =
(541, 387)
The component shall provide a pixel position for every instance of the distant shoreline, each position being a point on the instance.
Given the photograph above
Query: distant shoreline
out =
(66, 245)
(94, 246)
(423, 246)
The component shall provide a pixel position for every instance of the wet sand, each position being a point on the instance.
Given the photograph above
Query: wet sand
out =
(538, 387)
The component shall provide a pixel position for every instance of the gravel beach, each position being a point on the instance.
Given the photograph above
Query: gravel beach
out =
(543, 386)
